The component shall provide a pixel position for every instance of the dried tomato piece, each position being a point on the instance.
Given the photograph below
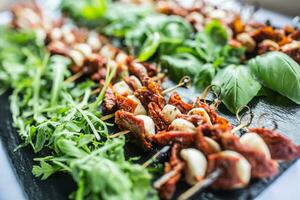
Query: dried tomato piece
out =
(176, 101)
(281, 147)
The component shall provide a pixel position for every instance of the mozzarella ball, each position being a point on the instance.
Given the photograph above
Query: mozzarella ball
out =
(93, 41)
(121, 57)
(121, 88)
(200, 112)
(137, 82)
(56, 34)
(67, 34)
(212, 144)
(85, 49)
(170, 112)
(182, 125)
(77, 57)
(111, 64)
(243, 168)
(148, 124)
(139, 67)
(108, 51)
(246, 41)
(254, 141)
(139, 110)
(196, 165)
(217, 14)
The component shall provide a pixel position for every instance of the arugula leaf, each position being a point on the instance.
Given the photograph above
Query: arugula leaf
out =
(238, 86)
(44, 170)
(57, 119)
(279, 72)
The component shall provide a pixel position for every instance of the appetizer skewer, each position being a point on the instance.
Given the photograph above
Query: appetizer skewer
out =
(257, 38)
(203, 143)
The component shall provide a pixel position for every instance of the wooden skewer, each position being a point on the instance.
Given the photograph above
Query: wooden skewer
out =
(183, 82)
(211, 178)
(162, 180)
(159, 76)
(107, 117)
(96, 91)
(74, 77)
(119, 134)
(155, 156)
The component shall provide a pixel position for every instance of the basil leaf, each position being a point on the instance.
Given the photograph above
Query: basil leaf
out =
(204, 76)
(216, 32)
(279, 72)
(179, 65)
(172, 30)
(238, 86)
(211, 41)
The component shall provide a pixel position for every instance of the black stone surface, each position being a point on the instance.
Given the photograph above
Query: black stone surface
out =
(60, 186)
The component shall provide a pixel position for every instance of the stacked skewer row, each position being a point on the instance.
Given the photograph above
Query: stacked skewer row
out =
(257, 38)
(205, 148)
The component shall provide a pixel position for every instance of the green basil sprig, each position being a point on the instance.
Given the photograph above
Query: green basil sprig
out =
(238, 86)
(278, 72)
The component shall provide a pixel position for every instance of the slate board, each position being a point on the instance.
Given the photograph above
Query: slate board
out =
(60, 186)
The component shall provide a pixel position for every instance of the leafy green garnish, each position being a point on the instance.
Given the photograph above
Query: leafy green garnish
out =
(85, 10)
(238, 86)
(60, 120)
(156, 32)
(279, 72)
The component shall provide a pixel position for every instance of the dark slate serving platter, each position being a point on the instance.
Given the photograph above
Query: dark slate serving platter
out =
(58, 187)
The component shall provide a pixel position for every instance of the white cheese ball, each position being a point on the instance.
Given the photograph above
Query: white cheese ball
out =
(136, 81)
(201, 112)
(108, 51)
(139, 110)
(170, 112)
(56, 34)
(121, 57)
(196, 165)
(254, 141)
(212, 144)
(148, 124)
(77, 57)
(182, 125)
(93, 41)
(85, 49)
(121, 88)
(243, 168)
(67, 34)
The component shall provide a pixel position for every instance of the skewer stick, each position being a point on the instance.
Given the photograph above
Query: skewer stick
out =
(211, 178)
(96, 91)
(159, 76)
(107, 117)
(74, 77)
(240, 118)
(155, 156)
(216, 93)
(162, 180)
(261, 120)
(119, 134)
(184, 81)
